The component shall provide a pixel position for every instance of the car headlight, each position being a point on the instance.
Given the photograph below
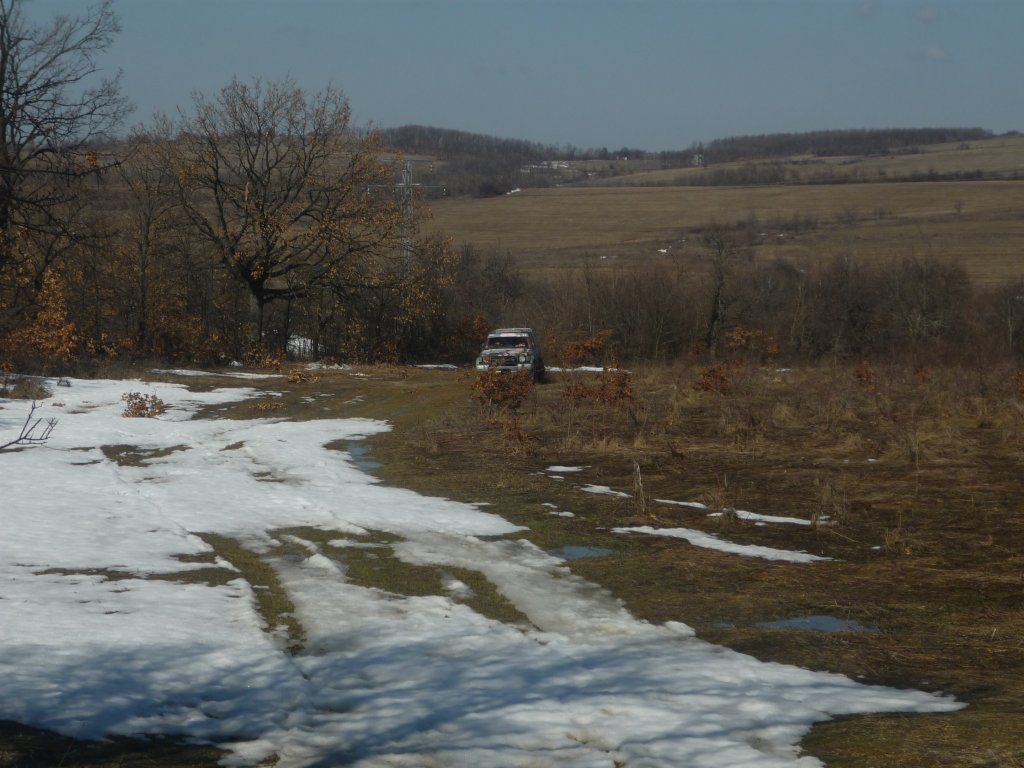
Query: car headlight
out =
(522, 358)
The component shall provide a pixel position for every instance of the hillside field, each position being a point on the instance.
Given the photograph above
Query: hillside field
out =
(634, 217)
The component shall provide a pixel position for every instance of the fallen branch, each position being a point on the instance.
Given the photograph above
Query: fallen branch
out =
(28, 434)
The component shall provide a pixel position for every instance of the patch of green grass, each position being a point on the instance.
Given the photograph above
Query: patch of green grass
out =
(133, 456)
(272, 602)
(486, 599)
(372, 563)
(379, 568)
(322, 537)
(988, 739)
(108, 574)
(212, 577)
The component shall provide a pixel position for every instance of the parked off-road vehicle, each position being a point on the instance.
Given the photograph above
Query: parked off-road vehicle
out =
(512, 349)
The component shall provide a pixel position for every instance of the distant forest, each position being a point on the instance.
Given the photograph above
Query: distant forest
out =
(481, 165)
(882, 141)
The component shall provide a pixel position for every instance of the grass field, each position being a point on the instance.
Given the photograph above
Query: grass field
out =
(999, 156)
(913, 483)
(980, 223)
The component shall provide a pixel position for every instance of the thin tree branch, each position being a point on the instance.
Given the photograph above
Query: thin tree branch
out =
(28, 434)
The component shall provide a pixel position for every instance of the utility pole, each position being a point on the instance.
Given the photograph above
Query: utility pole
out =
(406, 189)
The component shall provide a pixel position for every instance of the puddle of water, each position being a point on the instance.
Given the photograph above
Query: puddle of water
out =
(818, 623)
(360, 453)
(574, 553)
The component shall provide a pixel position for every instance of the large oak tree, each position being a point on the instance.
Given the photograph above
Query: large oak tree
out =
(283, 191)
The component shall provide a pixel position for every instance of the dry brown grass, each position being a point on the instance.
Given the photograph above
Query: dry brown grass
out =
(913, 488)
(991, 156)
(976, 222)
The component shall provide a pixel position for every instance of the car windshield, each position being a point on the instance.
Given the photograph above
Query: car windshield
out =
(507, 342)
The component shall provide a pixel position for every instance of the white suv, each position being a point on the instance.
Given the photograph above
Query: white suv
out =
(512, 349)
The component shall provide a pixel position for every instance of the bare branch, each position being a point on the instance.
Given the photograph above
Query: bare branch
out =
(54, 100)
(30, 433)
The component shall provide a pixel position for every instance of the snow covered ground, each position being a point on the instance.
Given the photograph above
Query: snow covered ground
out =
(383, 679)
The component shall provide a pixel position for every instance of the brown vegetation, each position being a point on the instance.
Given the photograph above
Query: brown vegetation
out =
(905, 477)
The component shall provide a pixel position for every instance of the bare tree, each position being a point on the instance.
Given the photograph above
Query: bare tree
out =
(721, 255)
(50, 110)
(280, 187)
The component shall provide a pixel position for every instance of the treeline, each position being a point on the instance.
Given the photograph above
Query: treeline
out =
(447, 144)
(470, 163)
(483, 166)
(727, 303)
(880, 141)
(759, 173)
(256, 223)
(480, 165)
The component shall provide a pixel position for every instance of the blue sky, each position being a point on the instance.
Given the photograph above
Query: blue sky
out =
(652, 74)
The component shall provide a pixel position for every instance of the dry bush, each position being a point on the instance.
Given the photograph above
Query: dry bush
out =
(753, 341)
(722, 378)
(299, 376)
(504, 391)
(262, 357)
(139, 406)
(588, 351)
(614, 385)
(502, 395)
(50, 336)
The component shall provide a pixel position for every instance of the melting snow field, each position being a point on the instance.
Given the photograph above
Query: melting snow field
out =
(383, 679)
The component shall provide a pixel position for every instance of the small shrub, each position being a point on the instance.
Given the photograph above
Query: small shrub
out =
(502, 394)
(261, 357)
(755, 342)
(502, 390)
(720, 378)
(615, 386)
(584, 351)
(299, 376)
(139, 406)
